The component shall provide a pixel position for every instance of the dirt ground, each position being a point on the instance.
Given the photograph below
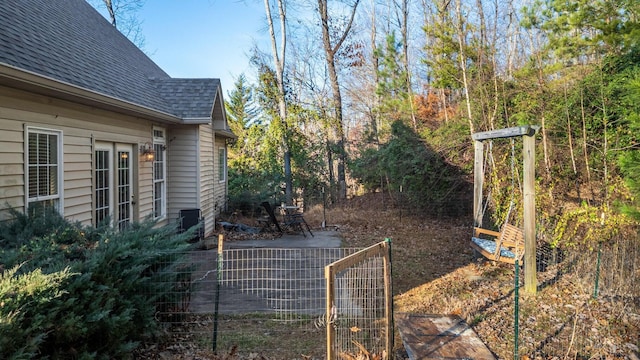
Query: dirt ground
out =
(436, 272)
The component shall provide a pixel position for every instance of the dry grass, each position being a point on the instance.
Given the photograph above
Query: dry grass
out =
(435, 272)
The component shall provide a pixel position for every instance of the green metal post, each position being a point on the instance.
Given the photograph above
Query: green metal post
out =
(595, 290)
(391, 325)
(217, 299)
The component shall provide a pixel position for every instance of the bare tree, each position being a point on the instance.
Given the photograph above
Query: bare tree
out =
(331, 48)
(279, 63)
(123, 16)
(403, 20)
(463, 62)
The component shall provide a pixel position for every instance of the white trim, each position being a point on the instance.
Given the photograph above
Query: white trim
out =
(60, 175)
(163, 196)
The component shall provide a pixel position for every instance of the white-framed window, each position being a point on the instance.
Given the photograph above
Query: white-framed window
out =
(222, 164)
(43, 153)
(159, 173)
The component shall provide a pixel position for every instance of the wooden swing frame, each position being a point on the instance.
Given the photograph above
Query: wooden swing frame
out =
(504, 239)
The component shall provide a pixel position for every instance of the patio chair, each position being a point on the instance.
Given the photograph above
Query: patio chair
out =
(293, 219)
(271, 222)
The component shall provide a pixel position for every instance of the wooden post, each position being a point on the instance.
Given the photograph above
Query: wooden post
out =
(529, 175)
(478, 178)
(330, 298)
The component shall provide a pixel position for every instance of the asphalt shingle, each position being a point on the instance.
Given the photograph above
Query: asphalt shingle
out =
(69, 41)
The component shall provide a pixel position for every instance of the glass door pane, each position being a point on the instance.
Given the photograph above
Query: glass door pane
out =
(123, 186)
(103, 185)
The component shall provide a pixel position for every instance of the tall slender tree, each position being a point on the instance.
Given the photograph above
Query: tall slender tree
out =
(279, 56)
(331, 47)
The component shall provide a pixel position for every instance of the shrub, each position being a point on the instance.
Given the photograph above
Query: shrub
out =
(105, 309)
(25, 309)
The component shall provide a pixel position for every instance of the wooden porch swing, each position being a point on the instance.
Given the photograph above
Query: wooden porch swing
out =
(507, 245)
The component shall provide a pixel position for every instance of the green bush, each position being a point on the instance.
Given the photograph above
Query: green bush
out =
(79, 292)
(408, 162)
(25, 309)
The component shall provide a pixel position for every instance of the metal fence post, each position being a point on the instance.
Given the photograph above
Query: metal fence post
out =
(217, 299)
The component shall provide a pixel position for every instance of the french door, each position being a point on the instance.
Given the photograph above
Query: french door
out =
(113, 183)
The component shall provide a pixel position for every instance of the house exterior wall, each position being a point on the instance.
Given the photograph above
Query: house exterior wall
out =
(183, 172)
(80, 127)
(207, 172)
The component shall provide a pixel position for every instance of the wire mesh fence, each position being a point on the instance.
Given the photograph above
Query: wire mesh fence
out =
(609, 268)
(358, 317)
(263, 301)
(585, 292)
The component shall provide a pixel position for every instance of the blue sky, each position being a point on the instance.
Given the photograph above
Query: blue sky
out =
(203, 38)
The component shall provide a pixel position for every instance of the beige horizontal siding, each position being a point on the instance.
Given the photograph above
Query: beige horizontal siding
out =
(182, 170)
(81, 126)
(12, 160)
(207, 156)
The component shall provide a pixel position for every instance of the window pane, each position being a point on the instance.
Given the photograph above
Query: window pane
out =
(33, 149)
(159, 178)
(43, 175)
(53, 149)
(53, 180)
(43, 149)
(102, 186)
(221, 164)
(157, 199)
(33, 181)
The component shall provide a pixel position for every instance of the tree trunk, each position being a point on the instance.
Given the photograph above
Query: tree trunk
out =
(112, 13)
(279, 61)
(405, 59)
(330, 51)
(375, 63)
(462, 63)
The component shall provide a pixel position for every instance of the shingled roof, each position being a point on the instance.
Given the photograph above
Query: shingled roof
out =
(68, 43)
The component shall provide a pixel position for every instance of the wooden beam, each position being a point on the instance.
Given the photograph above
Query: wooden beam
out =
(528, 130)
(478, 179)
(357, 257)
(529, 204)
(330, 300)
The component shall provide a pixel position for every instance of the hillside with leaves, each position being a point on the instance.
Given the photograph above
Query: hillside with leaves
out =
(409, 107)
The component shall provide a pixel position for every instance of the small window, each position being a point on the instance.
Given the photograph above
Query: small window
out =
(159, 174)
(44, 168)
(158, 134)
(222, 164)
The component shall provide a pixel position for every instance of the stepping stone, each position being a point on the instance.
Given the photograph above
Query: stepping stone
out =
(440, 337)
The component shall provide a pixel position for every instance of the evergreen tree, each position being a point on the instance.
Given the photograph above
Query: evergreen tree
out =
(392, 85)
(242, 116)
